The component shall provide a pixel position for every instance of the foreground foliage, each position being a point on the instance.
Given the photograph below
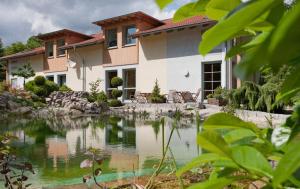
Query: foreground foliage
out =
(238, 151)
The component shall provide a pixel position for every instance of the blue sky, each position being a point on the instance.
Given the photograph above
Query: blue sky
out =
(21, 19)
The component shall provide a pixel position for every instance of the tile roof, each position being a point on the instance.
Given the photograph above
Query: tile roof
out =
(60, 33)
(139, 14)
(36, 51)
(97, 38)
(169, 24)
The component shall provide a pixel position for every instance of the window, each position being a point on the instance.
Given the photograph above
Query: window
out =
(50, 78)
(212, 77)
(112, 38)
(128, 39)
(60, 43)
(49, 49)
(109, 76)
(129, 83)
(61, 79)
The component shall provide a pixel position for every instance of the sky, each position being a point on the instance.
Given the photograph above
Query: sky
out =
(20, 19)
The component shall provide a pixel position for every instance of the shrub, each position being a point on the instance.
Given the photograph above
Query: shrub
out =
(155, 96)
(40, 91)
(116, 93)
(101, 97)
(64, 88)
(51, 86)
(29, 86)
(116, 82)
(94, 88)
(39, 80)
(115, 103)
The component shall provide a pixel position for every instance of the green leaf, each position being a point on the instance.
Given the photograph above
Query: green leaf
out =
(288, 164)
(213, 142)
(163, 3)
(291, 85)
(252, 160)
(217, 9)
(218, 183)
(190, 10)
(238, 134)
(204, 158)
(286, 36)
(232, 25)
(227, 121)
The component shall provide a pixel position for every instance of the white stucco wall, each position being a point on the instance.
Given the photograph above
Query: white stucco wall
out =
(170, 57)
(93, 59)
(36, 63)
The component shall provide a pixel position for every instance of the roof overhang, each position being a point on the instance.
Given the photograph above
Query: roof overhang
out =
(135, 15)
(61, 33)
(157, 31)
(23, 54)
(81, 44)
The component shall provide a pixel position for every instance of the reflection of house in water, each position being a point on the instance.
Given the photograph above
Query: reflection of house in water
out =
(121, 133)
(57, 149)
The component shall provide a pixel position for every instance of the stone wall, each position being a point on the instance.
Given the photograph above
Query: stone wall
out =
(74, 101)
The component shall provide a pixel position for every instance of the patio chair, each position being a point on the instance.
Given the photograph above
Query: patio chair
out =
(174, 97)
(139, 98)
(197, 94)
(187, 97)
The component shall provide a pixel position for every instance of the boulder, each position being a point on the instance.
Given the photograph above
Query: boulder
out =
(11, 105)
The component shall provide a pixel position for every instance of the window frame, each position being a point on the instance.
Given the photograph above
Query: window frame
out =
(211, 80)
(47, 48)
(125, 81)
(58, 50)
(107, 38)
(126, 36)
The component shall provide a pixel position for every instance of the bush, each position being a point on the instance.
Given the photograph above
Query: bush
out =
(39, 80)
(51, 86)
(41, 90)
(116, 82)
(64, 88)
(101, 97)
(29, 86)
(116, 93)
(115, 103)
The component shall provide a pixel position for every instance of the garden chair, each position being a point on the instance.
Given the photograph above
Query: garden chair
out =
(174, 97)
(139, 98)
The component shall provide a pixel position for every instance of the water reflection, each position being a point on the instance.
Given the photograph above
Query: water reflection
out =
(57, 146)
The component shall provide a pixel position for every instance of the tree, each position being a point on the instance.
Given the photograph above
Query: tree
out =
(1, 48)
(25, 71)
(156, 97)
(14, 48)
(33, 42)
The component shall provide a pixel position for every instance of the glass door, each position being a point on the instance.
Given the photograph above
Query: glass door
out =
(211, 77)
(129, 85)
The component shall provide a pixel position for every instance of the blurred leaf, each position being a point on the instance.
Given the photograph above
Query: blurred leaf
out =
(227, 121)
(163, 3)
(190, 10)
(238, 134)
(288, 164)
(213, 142)
(251, 159)
(232, 25)
(204, 158)
(217, 9)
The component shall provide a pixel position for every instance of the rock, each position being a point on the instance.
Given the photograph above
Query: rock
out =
(74, 101)
(75, 112)
(201, 106)
(47, 100)
(23, 110)
(11, 105)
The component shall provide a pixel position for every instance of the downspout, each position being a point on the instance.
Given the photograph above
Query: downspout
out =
(83, 69)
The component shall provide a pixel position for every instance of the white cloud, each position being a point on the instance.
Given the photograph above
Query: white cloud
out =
(21, 19)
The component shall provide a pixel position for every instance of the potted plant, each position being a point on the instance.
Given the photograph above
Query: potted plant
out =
(218, 97)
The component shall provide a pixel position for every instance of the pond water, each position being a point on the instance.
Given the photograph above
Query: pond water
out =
(132, 146)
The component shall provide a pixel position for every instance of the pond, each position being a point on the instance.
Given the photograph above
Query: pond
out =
(131, 146)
